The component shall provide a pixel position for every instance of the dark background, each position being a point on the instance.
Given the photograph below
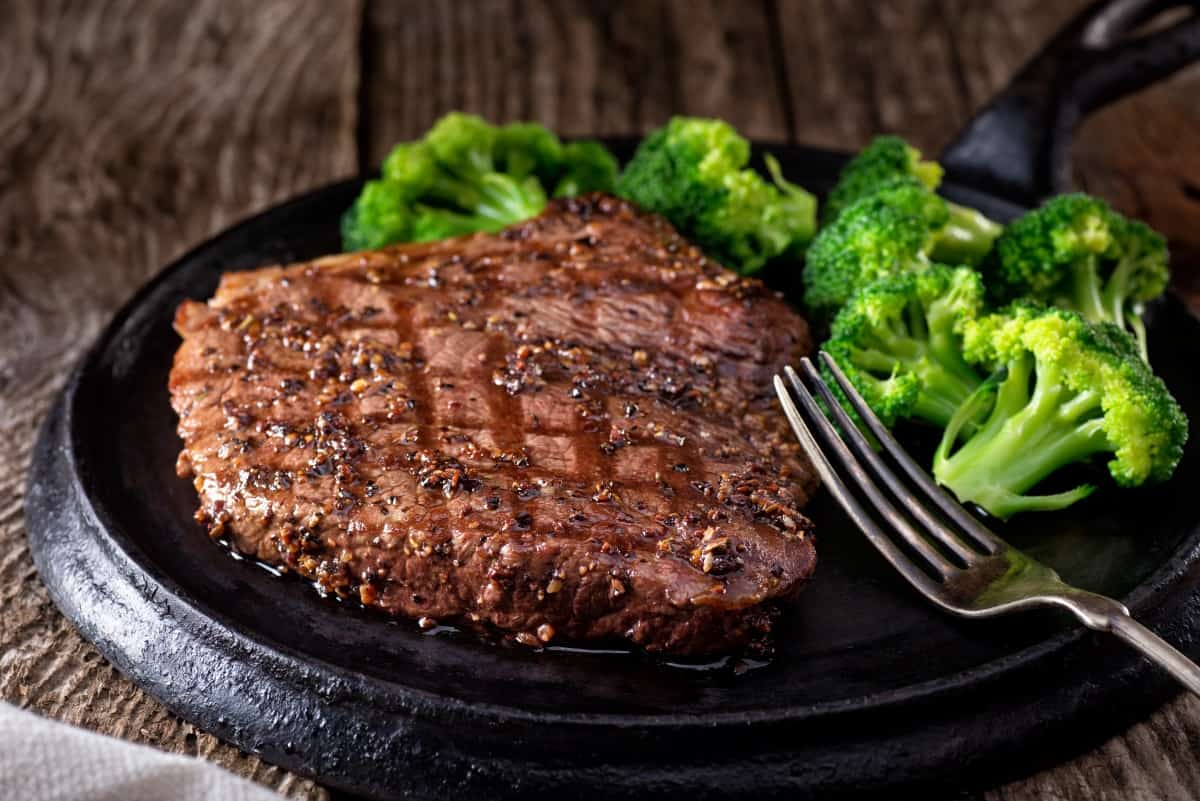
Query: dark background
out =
(130, 131)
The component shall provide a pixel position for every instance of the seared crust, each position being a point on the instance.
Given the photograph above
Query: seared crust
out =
(565, 431)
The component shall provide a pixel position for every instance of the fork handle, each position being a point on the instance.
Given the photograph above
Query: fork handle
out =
(1157, 650)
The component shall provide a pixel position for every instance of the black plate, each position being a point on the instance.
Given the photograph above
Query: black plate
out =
(871, 687)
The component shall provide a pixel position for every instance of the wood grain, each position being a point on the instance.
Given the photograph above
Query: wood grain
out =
(131, 131)
(856, 71)
(583, 68)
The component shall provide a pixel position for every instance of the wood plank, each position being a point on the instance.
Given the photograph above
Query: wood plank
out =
(583, 68)
(130, 132)
(855, 70)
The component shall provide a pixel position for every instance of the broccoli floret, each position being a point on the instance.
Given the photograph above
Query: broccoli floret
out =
(466, 175)
(467, 178)
(586, 167)
(378, 216)
(526, 148)
(899, 341)
(870, 240)
(882, 161)
(693, 172)
(1063, 391)
(409, 170)
(967, 235)
(901, 227)
(1077, 253)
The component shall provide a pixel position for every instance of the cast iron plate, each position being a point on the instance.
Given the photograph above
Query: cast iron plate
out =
(871, 687)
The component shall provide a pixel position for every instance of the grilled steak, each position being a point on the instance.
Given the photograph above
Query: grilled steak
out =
(564, 431)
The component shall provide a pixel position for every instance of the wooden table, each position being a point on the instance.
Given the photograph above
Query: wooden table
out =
(131, 131)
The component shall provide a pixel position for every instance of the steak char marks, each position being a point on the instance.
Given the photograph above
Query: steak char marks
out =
(564, 431)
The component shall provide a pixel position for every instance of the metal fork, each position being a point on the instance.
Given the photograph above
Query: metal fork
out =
(948, 555)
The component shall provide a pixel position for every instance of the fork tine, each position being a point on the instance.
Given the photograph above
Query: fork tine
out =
(848, 502)
(949, 506)
(909, 500)
(815, 419)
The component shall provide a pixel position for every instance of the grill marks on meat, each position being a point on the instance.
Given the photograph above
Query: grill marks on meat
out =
(564, 431)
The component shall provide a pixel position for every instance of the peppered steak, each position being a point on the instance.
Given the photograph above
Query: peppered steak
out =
(564, 431)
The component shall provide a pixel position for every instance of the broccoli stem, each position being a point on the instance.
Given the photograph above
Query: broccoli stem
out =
(1026, 437)
(941, 395)
(504, 200)
(1116, 291)
(966, 238)
(945, 384)
(1134, 319)
(1115, 298)
(496, 200)
(1087, 291)
(946, 381)
(1107, 301)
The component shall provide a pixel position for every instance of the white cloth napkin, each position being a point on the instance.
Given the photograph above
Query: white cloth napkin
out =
(41, 760)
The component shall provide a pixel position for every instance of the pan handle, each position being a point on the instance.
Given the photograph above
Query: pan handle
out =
(1018, 145)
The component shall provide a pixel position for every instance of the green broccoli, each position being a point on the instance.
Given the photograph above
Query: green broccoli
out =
(586, 167)
(693, 172)
(523, 149)
(377, 217)
(967, 234)
(486, 173)
(885, 159)
(1064, 390)
(900, 227)
(1077, 253)
(899, 341)
(466, 175)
